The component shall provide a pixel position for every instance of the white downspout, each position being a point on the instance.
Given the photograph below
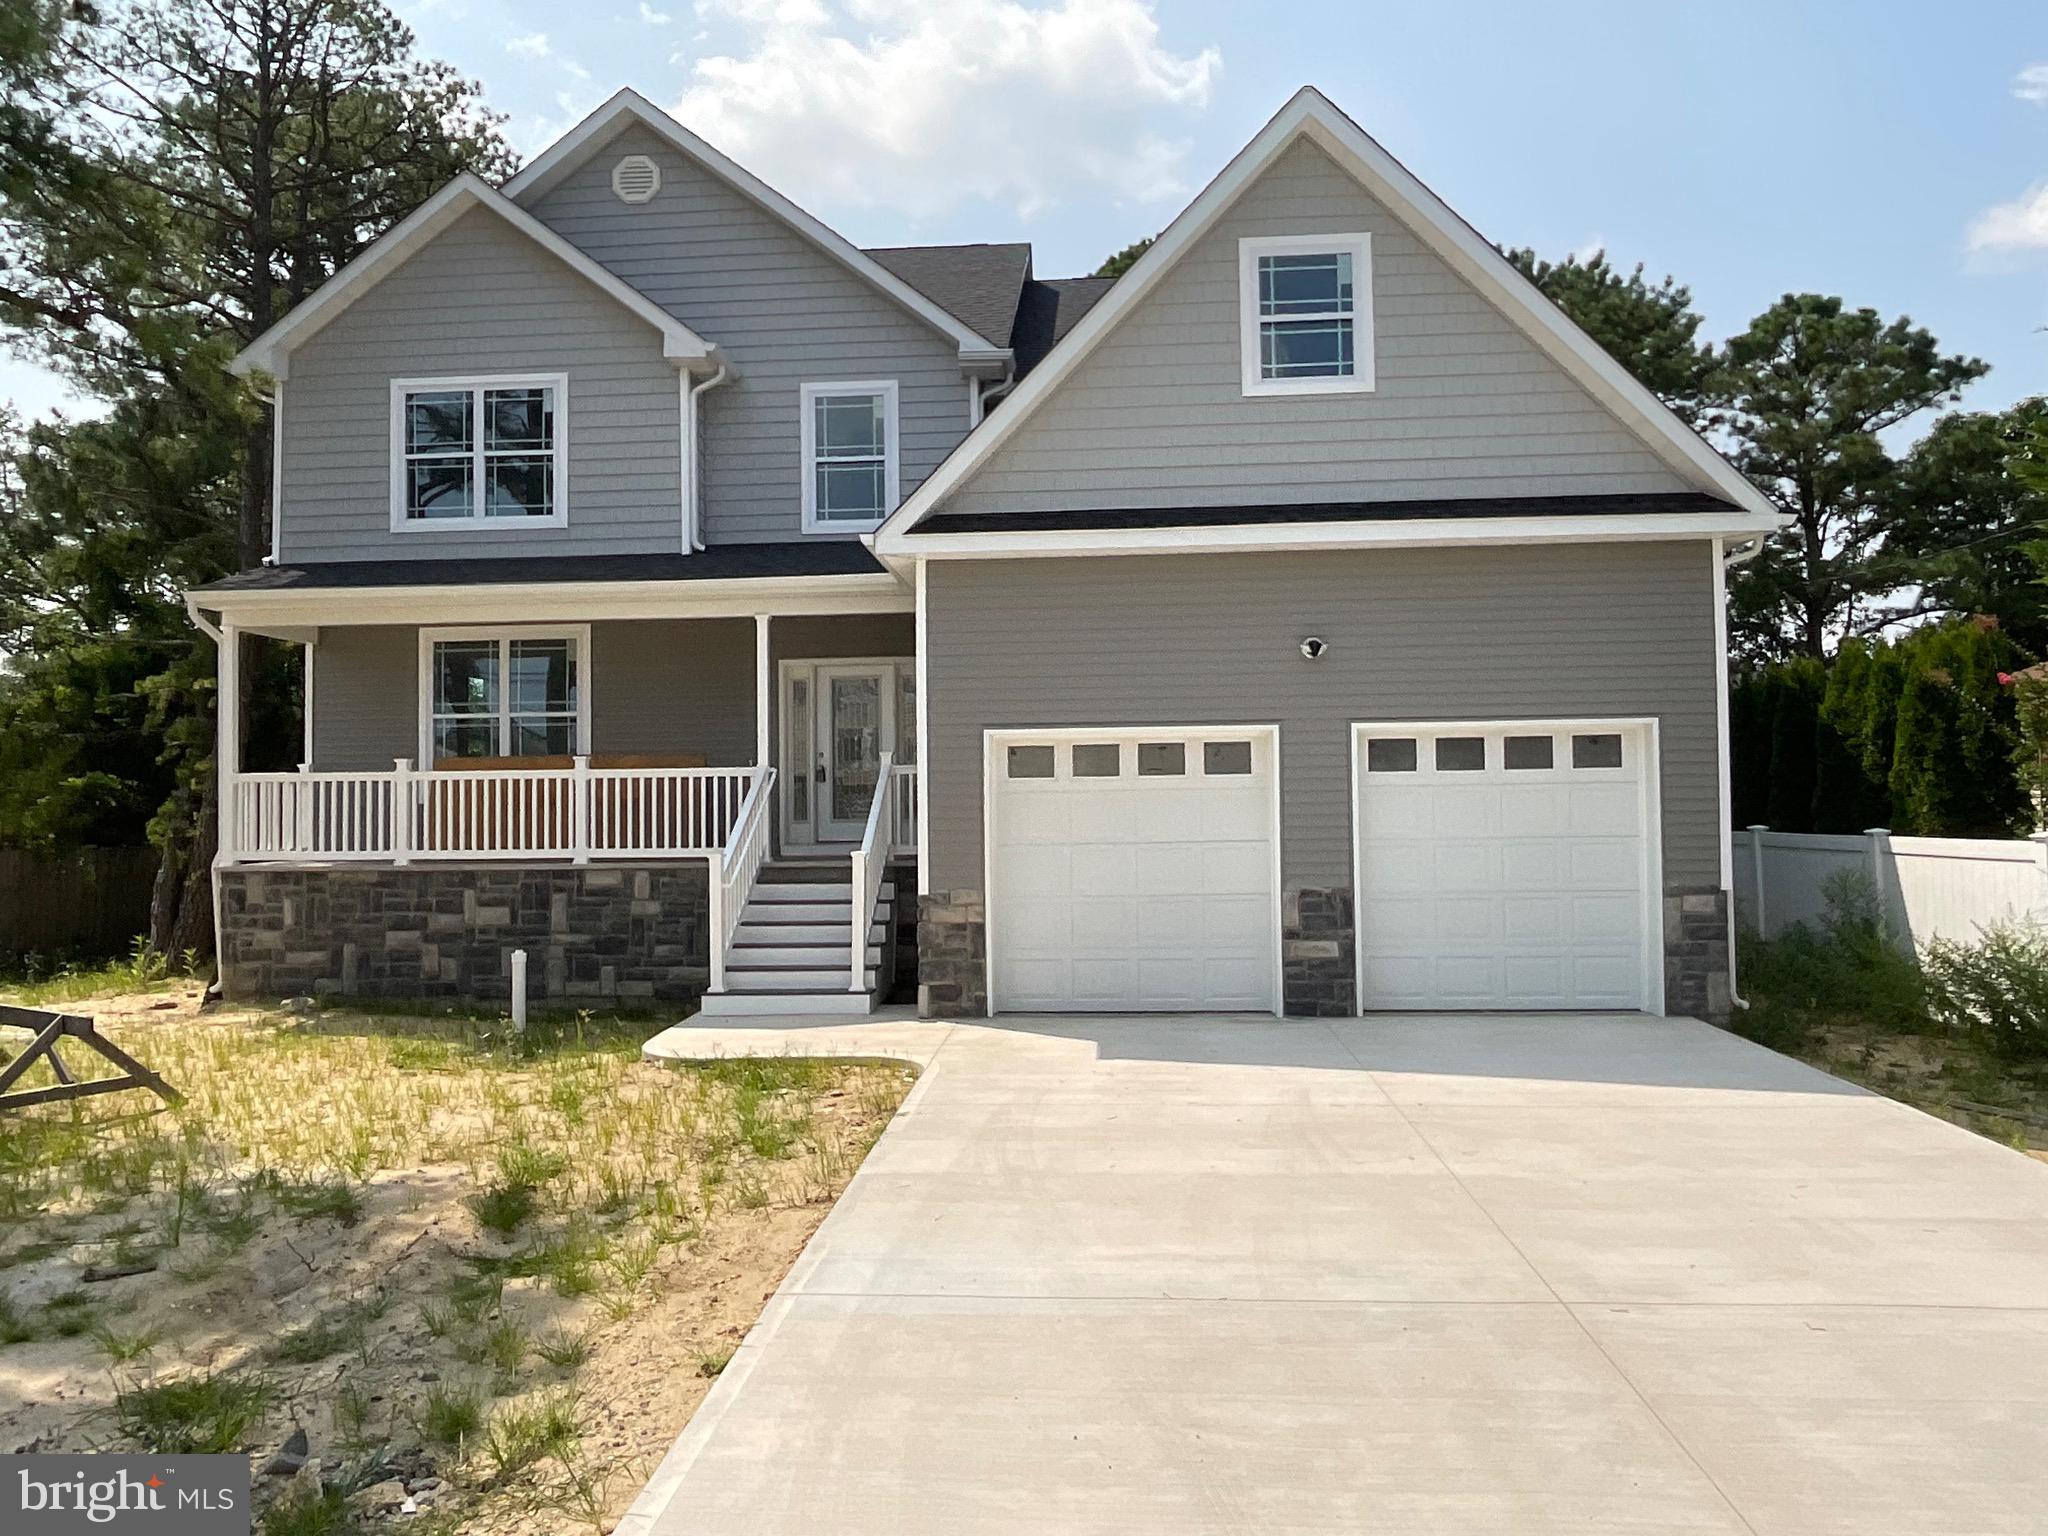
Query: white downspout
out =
(981, 399)
(1741, 555)
(220, 640)
(693, 514)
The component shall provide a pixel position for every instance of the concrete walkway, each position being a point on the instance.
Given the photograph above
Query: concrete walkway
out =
(1447, 1275)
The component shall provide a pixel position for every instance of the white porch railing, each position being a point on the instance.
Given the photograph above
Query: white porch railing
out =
(883, 836)
(405, 815)
(733, 875)
(904, 782)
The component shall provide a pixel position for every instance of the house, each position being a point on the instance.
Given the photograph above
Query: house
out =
(1313, 620)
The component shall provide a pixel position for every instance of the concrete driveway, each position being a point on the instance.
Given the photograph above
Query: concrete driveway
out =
(1446, 1275)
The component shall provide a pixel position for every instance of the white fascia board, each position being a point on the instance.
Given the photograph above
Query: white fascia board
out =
(567, 152)
(559, 602)
(1311, 113)
(1408, 533)
(270, 353)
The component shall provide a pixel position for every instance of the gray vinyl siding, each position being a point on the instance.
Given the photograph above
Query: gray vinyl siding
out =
(1465, 404)
(674, 685)
(481, 299)
(780, 309)
(1558, 631)
(656, 685)
(366, 692)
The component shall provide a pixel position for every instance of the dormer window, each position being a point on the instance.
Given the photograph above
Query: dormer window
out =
(849, 449)
(475, 450)
(1305, 303)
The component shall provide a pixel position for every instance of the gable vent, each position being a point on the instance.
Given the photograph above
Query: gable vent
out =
(636, 179)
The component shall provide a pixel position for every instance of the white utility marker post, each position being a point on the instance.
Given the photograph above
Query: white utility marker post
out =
(1756, 864)
(519, 990)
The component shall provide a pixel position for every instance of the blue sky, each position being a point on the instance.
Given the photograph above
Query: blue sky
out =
(1893, 153)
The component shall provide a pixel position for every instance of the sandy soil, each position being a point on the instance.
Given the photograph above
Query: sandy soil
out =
(654, 1345)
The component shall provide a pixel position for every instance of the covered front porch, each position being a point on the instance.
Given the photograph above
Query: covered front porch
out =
(550, 741)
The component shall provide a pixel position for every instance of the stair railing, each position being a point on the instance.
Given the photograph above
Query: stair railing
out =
(734, 870)
(869, 860)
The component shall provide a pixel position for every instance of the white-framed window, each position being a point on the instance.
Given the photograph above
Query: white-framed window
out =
(849, 447)
(1305, 311)
(504, 692)
(472, 451)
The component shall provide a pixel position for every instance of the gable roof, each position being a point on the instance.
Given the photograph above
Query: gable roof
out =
(1048, 309)
(1311, 114)
(978, 284)
(270, 352)
(628, 106)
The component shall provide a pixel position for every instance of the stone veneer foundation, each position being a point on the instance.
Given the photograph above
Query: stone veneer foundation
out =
(1696, 953)
(612, 932)
(952, 955)
(1317, 953)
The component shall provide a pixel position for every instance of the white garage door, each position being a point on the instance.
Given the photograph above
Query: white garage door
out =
(1132, 872)
(1504, 867)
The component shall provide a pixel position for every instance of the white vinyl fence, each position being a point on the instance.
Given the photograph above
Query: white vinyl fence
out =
(1927, 887)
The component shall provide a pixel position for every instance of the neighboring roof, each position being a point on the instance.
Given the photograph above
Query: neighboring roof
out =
(1319, 512)
(719, 562)
(629, 106)
(269, 352)
(978, 284)
(1311, 114)
(1047, 310)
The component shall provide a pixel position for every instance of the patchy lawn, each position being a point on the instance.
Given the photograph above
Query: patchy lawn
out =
(1953, 1078)
(488, 1279)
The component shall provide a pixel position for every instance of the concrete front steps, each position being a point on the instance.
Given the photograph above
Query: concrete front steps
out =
(793, 950)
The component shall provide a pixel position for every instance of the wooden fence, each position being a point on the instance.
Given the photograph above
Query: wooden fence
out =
(88, 902)
(1926, 887)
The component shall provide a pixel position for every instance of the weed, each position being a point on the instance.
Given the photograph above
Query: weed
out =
(522, 1433)
(313, 1199)
(563, 1349)
(315, 1341)
(306, 1512)
(15, 1327)
(71, 1313)
(502, 1207)
(450, 1415)
(122, 1348)
(502, 1345)
(206, 1415)
(710, 1362)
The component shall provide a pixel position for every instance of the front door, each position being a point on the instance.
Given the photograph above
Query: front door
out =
(838, 718)
(852, 701)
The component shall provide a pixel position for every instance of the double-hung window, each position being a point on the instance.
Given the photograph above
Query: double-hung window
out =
(475, 450)
(849, 452)
(1305, 305)
(504, 693)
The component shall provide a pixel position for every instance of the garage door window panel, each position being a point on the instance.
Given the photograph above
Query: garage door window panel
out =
(1461, 754)
(1098, 760)
(1521, 754)
(1390, 754)
(1162, 759)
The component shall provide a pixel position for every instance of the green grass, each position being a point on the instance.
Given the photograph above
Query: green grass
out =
(564, 1350)
(15, 1328)
(124, 1348)
(451, 1415)
(712, 1362)
(504, 1208)
(144, 970)
(502, 1345)
(300, 1513)
(522, 1433)
(203, 1415)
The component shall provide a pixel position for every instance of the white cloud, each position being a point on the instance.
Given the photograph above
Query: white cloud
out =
(574, 70)
(532, 46)
(2031, 84)
(652, 17)
(915, 105)
(2008, 228)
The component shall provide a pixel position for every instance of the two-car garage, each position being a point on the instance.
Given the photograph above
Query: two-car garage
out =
(1495, 866)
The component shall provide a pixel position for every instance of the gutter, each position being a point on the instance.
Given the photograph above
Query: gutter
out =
(693, 512)
(1742, 554)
